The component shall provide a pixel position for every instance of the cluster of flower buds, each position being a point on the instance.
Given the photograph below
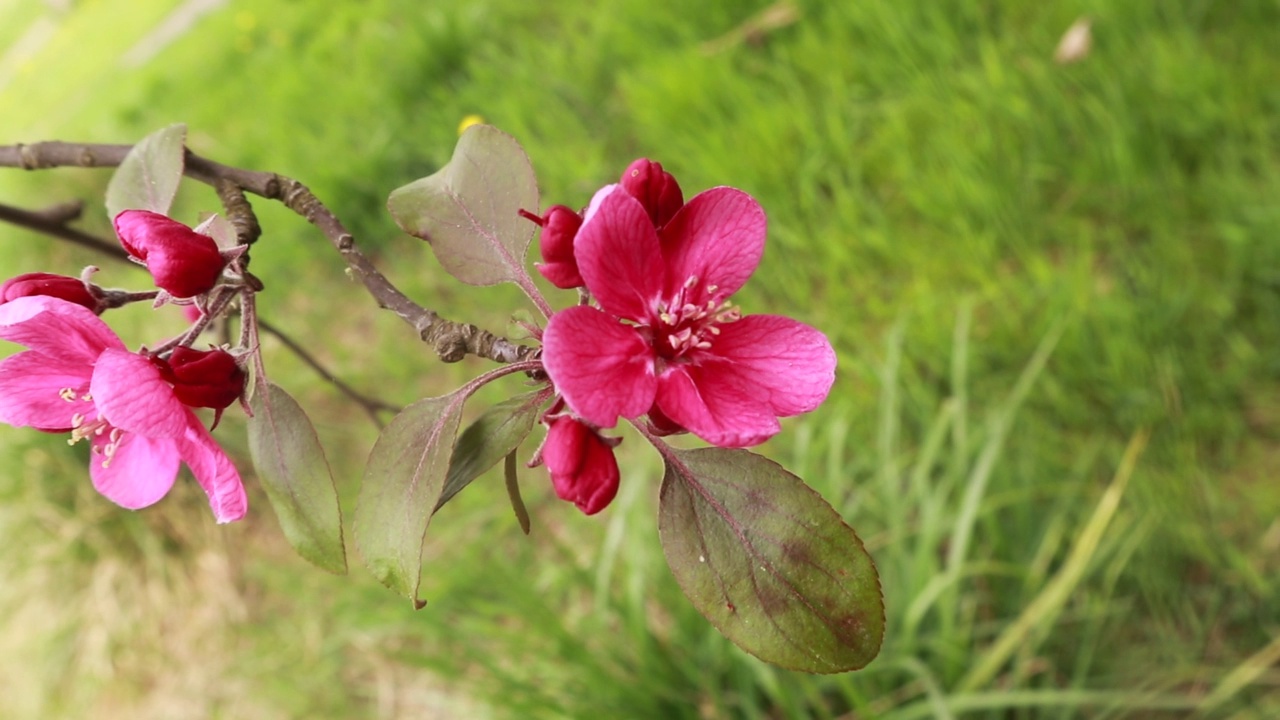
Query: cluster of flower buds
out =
(134, 408)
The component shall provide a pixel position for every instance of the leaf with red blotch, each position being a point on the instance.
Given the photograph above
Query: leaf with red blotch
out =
(768, 562)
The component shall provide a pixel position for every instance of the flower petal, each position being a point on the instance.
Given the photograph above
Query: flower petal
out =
(788, 364)
(721, 413)
(30, 391)
(214, 471)
(619, 256)
(132, 396)
(56, 328)
(602, 368)
(717, 237)
(139, 473)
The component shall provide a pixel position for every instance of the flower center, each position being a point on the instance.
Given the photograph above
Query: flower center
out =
(104, 438)
(690, 320)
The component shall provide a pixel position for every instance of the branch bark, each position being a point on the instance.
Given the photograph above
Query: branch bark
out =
(451, 341)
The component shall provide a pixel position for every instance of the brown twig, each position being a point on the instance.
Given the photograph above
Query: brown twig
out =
(53, 221)
(451, 341)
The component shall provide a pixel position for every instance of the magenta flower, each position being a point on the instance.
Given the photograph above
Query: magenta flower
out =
(77, 376)
(183, 262)
(655, 188)
(665, 332)
(59, 286)
(581, 464)
(203, 378)
(559, 225)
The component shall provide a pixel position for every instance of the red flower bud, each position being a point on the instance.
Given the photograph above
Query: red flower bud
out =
(559, 226)
(655, 188)
(58, 286)
(183, 262)
(203, 378)
(581, 463)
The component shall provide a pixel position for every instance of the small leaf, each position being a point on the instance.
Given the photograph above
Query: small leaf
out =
(769, 562)
(513, 493)
(148, 177)
(495, 434)
(402, 485)
(292, 466)
(468, 210)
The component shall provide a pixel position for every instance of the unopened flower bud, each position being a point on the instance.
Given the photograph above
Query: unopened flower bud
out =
(655, 188)
(581, 463)
(183, 262)
(559, 226)
(203, 378)
(50, 285)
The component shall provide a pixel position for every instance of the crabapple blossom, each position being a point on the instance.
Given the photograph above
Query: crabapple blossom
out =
(581, 463)
(655, 188)
(559, 225)
(77, 376)
(183, 262)
(59, 286)
(665, 334)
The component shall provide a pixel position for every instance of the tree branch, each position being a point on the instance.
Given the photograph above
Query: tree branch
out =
(451, 341)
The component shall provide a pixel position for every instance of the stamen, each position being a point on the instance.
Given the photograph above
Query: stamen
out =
(68, 394)
(693, 280)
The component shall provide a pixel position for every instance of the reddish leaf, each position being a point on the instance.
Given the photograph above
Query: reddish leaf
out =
(769, 562)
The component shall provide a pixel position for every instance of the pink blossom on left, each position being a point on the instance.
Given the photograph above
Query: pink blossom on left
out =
(77, 376)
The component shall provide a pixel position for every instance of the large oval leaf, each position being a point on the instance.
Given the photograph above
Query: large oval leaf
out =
(469, 210)
(769, 562)
(401, 487)
(292, 466)
(148, 177)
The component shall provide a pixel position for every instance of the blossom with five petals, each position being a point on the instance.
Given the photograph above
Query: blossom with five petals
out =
(77, 376)
(665, 334)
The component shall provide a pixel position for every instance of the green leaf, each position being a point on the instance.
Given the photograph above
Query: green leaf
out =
(401, 488)
(468, 210)
(769, 562)
(494, 435)
(292, 466)
(148, 177)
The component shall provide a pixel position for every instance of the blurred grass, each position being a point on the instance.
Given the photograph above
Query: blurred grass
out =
(943, 200)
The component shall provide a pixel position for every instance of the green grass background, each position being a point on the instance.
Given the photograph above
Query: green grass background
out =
(1055, 292)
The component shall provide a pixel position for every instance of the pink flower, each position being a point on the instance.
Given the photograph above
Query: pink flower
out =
(665, 332)
(581, 463)
(183, 262)
(203, 378)
(77, 376)
(559, 225)
(59, 286)
(655, 188)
